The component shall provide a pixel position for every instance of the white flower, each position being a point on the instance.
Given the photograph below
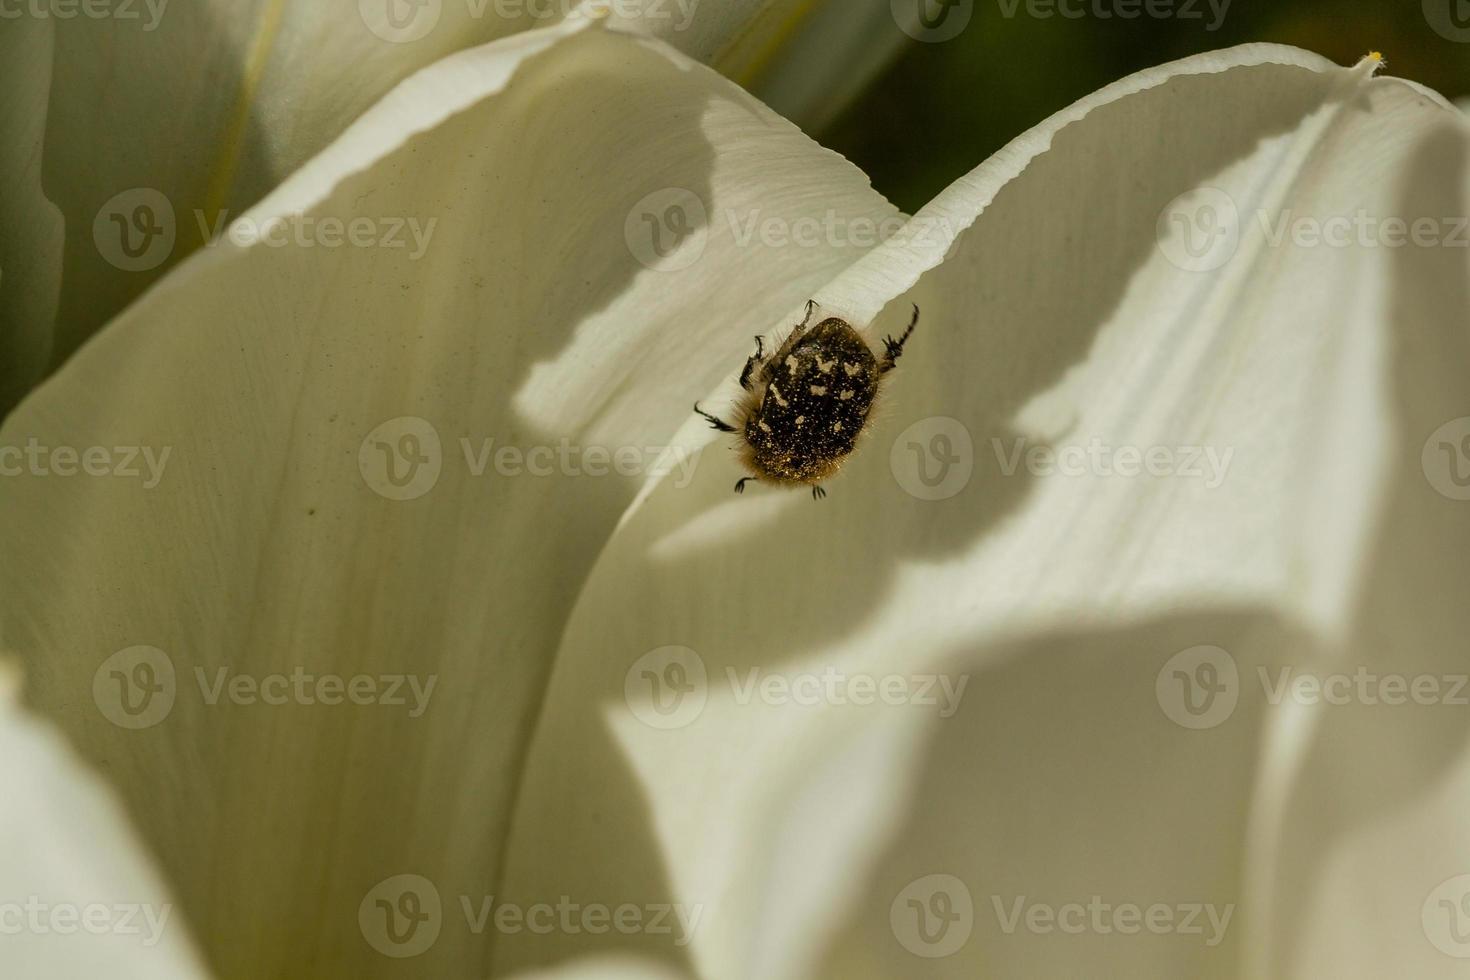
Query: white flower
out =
(195, 109)
(1010, 701)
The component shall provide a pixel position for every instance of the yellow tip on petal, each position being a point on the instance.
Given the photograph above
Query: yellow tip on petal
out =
(1369, 64)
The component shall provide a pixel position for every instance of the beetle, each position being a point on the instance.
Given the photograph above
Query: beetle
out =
(805, 405)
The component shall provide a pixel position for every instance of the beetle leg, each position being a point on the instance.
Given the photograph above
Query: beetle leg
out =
(751, 362)
(715, 423)
(893, 348)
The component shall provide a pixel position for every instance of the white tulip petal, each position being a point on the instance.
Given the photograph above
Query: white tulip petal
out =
(164, 115)
(77, 896)
(968, 542)
(284, 381)
(166, 119)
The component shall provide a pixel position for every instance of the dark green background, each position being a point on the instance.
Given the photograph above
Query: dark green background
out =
(942, 108)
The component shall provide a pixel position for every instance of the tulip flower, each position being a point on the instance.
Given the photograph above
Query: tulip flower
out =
(390, 585)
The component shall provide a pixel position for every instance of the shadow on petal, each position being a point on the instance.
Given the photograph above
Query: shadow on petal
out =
(1377, 818)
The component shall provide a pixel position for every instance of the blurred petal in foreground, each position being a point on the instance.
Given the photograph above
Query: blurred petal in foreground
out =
(79, 899)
